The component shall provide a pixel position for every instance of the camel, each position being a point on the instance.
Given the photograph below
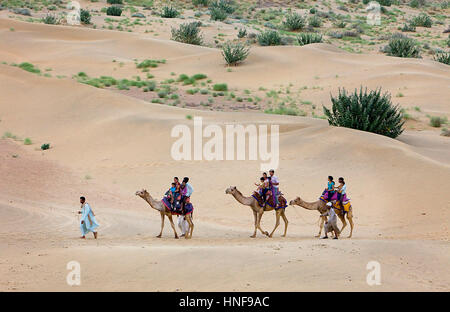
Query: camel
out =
(158, 205)
(322, 208)
(258, 211)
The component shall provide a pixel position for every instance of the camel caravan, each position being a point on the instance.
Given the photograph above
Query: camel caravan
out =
(332, 203)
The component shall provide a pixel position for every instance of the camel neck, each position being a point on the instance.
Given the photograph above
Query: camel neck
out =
(149, 199)
(310, 206)
(242, 199)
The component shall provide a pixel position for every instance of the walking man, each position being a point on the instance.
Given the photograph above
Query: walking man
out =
(87, 222)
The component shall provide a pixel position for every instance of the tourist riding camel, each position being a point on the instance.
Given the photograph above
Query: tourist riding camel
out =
(164, 208)
(339, 201)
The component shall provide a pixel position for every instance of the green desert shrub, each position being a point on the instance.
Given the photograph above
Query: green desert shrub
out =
(307, 38)
(417, 3)
(385, 2)
(408, 28)
(269, 38)
(294, 21)
(220, 87)
(169, 12)
(50, 19)
(422, 20)
(366, 111)
(114, 11)
(115, 1)
(188, 33)
(224, 5)
(45, 146)
(200, 2)
(242, 33)
(29, 68)
(314, 21)
(442, 57)
(282, 109)
(234, 53)
(218, 14)
(402, 47)
(85, 16)
(27, 141)
(437, 121)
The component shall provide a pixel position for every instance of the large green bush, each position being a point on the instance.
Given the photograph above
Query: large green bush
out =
(114, 2)
(188, 33)
(269, 38)
(234, 53)
(366, 111)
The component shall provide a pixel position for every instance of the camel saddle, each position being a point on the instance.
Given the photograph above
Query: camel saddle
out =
(282, 202)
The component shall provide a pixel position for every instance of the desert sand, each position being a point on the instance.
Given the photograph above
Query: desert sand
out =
(106, 144)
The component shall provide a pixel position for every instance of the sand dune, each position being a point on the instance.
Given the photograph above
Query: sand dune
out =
(107, 145)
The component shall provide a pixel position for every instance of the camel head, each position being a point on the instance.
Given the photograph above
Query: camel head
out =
(231, 190)
(142, 193)
(295, 201)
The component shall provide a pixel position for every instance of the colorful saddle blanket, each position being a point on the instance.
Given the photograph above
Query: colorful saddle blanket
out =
(336, 203)
(176, 207)
(282, 202)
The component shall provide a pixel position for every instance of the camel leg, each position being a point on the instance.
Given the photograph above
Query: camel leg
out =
(191, 227)
(344, 224)
(350, 220)
(255, 215)
(173, 225)
(162, 224)
(260, 214)
(322, 221)
(277, 223)
(283, 215)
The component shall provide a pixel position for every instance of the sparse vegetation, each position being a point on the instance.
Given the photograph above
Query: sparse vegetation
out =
(366, 111)
(27, 141)
(282, 109)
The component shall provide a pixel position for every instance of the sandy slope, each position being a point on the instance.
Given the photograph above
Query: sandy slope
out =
(397, 187)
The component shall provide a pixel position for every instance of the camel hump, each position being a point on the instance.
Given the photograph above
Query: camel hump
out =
(258, 198)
